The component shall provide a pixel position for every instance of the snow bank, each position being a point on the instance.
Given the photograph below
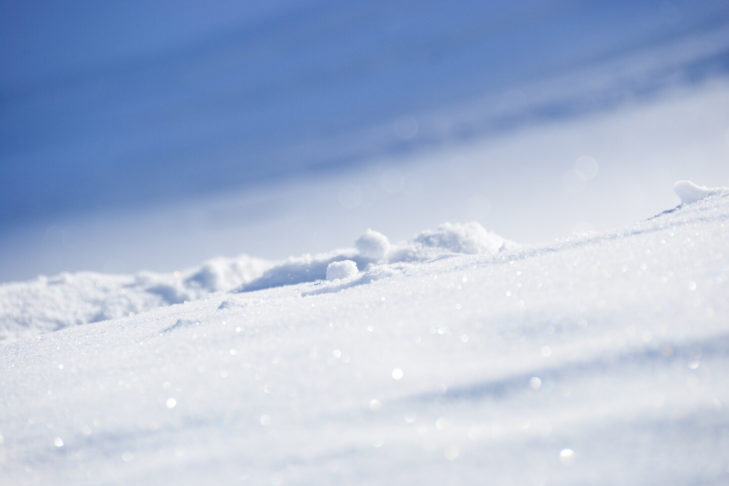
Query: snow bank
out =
(373, 248)
(689, 192)
(72, 299)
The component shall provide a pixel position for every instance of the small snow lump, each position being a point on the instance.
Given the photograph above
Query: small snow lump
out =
(690, 192)
(341, 269)
(373, 245)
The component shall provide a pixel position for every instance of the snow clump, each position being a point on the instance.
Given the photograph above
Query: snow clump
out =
(689, 192)
(341, 269)
(373, 245)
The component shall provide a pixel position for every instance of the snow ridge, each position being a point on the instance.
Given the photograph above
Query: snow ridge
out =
(71, 299)
(690, 192)
(374, 248)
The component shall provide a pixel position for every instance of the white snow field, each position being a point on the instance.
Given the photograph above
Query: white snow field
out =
(456, 358)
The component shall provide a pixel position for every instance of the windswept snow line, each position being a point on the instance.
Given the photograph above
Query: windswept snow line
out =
(373, 248)
(54, 303)
(682, 216)
(690, 192)
(706, 211)
(72, 299)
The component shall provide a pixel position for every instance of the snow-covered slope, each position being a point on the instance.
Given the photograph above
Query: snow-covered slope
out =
(595, 360)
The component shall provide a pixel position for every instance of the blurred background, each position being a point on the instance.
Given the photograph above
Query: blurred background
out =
(156, 134)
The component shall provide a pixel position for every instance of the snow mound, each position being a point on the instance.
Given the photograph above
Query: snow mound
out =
(373, 245)
(689, 192)
(341, 270)
(72, 299)
(373, 248)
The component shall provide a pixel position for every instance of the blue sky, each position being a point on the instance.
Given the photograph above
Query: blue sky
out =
(130, 104)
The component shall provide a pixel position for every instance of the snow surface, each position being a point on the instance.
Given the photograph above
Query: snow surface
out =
(454, 358)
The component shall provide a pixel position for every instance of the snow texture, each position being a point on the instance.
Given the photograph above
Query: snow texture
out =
(72, 299)
(455, 358)
(341, 270)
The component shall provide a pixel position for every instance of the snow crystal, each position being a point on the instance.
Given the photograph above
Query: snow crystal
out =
(690, 192)
(373, 245)
(341, 269)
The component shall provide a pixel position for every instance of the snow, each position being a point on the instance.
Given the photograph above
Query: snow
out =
(71, 299)
(456, 357)
(374, 248)
(463, 238)
(690, 192)
(373, 245)
(341, 270)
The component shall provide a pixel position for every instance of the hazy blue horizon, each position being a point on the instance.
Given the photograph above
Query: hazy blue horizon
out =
(110, 105)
